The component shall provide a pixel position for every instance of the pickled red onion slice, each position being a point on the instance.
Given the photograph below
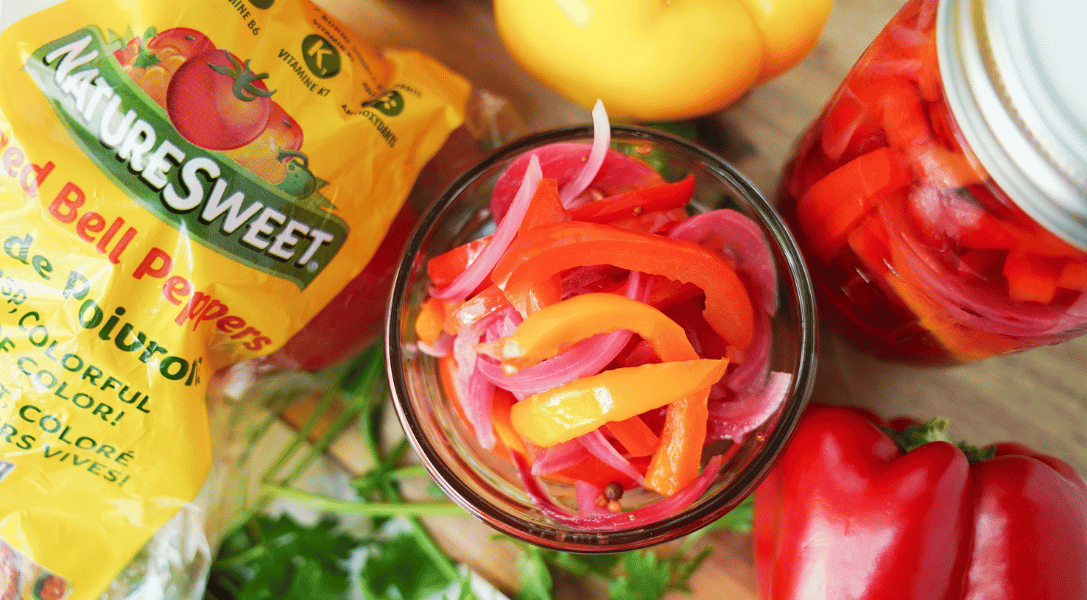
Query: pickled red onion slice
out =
(588, 357)
(601, 140)
(975, 305)
(469, 279)
(586, 494)
(600, 447)
(736, 236)
(475, 391)
(735, 419)
(558, 457)
(563, 161)
(639, 517)
(757, 361)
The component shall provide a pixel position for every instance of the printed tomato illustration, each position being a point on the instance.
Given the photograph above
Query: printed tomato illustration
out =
(50, 587)
(217, 102)
(153, 64)
(269, 155)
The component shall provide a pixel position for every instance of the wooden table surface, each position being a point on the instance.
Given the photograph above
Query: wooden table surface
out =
(1037, 397)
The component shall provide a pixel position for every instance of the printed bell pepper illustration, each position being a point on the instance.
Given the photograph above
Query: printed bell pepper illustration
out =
(270, 154)
(152, 65)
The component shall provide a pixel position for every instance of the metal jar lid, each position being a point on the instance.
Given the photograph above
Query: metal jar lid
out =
(1015, 76)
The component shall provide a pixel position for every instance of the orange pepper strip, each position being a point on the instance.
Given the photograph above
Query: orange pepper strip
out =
(559, 326)
(576, 408)
(634, 435)
(428, 325)
(537, 255)
(500, 415)
(676, 462)
(487, 301)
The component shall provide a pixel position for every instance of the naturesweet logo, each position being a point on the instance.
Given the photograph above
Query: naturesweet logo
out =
(231, 173)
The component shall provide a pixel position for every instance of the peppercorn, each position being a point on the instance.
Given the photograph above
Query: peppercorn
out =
(613, 491)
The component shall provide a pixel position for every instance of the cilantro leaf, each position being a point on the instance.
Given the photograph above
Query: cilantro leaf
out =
(535, 578)
(281, 558)
(399, 569)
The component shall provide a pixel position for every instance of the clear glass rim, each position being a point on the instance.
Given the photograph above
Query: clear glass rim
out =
(691, 519)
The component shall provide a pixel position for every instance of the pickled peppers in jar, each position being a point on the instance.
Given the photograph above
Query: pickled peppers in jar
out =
(940, 197)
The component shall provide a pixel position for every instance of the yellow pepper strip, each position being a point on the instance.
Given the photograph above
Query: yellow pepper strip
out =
(576, 408)
(557, 327)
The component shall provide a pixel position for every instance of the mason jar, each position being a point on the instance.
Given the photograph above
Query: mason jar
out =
(940, 198)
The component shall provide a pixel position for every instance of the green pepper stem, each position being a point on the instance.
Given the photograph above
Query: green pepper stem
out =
(935, 430)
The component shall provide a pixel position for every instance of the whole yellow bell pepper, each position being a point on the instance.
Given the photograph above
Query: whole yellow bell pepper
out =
(654, 60)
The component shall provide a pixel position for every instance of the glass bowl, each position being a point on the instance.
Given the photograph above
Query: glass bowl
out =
(487, 485)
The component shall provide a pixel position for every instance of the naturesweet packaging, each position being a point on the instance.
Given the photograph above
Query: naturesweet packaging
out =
(183, 185)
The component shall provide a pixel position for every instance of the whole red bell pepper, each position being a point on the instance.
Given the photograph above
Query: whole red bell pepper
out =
(861, 509)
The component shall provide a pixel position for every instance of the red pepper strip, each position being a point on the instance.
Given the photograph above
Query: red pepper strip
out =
(545, 207)
(445, 267)
(485, 302)
(945, 169)
(1031, 278)
(1073, 276)
(548, 332)
(597, 472)
(853, 114)
(632, 204)
(635, 436)
(905, 121)
(989, 232)
(543, 252)
(657, 221)
(835, 203)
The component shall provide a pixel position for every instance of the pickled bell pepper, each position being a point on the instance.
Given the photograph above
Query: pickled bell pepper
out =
(559, 326)
(538, 255)
(576, 408)
(917, 252)
(637, 202)
(548, 332)
(653, 60)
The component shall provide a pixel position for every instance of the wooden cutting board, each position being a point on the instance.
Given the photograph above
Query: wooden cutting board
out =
(1037, 397)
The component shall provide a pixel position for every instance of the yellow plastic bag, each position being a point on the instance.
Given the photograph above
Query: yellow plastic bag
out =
(183, 185)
